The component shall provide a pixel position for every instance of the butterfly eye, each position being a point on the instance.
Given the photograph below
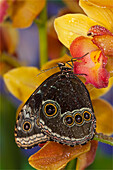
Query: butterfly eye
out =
(87, 115)
(78, 118)
(26, 126)
(50, 109)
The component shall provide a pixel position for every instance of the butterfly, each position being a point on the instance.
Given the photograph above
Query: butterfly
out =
(59, 110)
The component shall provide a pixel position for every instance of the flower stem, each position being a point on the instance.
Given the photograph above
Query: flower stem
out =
(42, 28)
(104, 138)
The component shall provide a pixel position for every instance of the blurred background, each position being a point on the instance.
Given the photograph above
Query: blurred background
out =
(26, 52)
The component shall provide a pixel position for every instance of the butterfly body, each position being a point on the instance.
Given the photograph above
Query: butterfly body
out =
(60, 109)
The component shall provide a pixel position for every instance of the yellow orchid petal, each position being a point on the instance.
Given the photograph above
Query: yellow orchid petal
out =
(55, 156)
(22, 81)
(71, 26)
(24, 12)
(103, 3)
(102, 15)
(104, 116)
(96, 93)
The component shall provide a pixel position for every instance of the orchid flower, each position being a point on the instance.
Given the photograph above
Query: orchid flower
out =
(22, 13)
(91, 35)
(22, 81)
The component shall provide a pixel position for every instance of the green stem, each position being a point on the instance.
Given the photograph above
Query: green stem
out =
(42, 28)
(104, 138)
(10, 60)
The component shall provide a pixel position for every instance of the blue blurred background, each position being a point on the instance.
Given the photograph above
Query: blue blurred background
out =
(11, 156)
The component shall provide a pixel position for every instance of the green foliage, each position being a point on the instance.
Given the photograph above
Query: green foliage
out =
(9, 151)
(102, 161)
(11, 156)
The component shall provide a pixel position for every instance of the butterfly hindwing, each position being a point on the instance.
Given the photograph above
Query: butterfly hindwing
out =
(66, 102)
(60, 109)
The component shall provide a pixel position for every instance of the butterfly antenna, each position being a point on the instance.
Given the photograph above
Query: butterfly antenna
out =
(74, 59)
(42, 71)
(81, 57)
(63, 64)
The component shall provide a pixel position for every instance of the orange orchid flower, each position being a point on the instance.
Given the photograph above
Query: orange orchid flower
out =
(22, 13)
(9, 42)
(91, 35)
(22, 81)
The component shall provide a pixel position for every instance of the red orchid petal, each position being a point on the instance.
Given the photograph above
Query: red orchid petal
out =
(104, 43)
(3, 9)
(103, 39)
(93, 64)
(87, 158)
(98, 30)
(99, 78)
(81, 46)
